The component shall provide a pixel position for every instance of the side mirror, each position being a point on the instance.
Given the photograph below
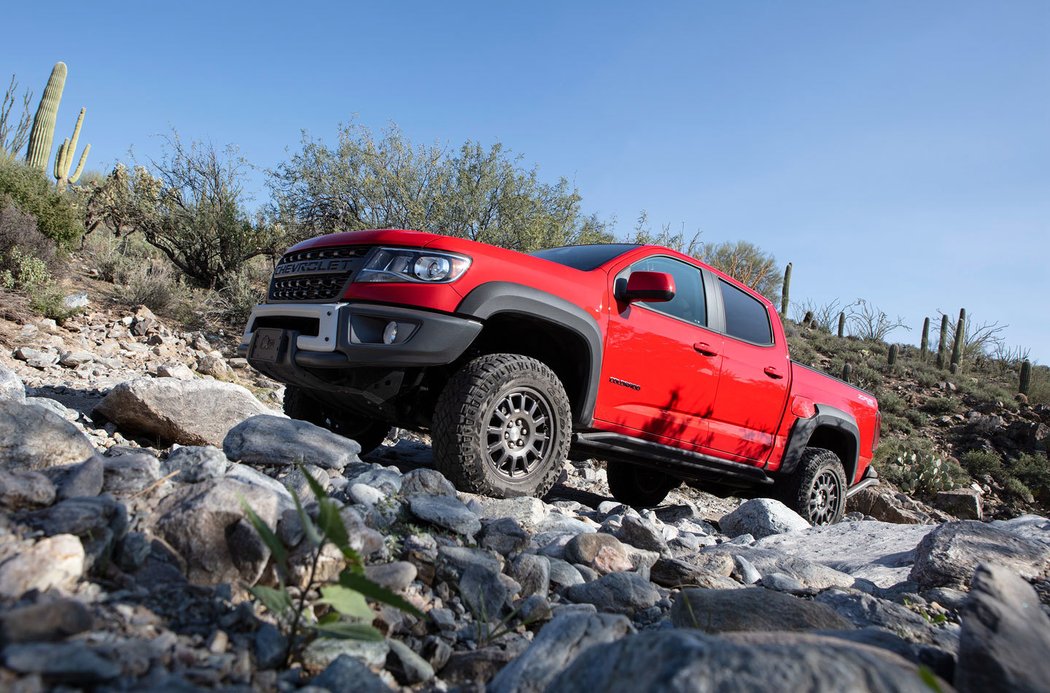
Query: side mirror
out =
(649, 286)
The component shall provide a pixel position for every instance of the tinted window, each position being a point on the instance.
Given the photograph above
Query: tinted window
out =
(746, 317)
(688, 303)
(584, 257)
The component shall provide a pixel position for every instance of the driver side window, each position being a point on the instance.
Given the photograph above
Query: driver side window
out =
(689, 302)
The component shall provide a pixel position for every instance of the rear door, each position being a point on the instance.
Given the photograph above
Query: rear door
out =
(661, 362)
(755, 378)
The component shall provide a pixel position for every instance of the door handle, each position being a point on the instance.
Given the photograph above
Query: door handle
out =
(705, 349)
(772, 373)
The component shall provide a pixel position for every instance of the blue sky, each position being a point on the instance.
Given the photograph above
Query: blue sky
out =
(893, 151)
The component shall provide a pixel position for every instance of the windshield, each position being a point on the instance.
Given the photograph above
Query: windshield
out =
(584, 257)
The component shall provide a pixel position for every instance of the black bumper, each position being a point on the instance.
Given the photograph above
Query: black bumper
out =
(423, 339)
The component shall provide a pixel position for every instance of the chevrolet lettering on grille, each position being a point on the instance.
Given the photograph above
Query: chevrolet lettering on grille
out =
(314, 267)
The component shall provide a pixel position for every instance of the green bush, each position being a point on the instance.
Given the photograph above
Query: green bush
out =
(981, 462)
(56, 213)
(916, 468)
(1034, 472)
(939, 406)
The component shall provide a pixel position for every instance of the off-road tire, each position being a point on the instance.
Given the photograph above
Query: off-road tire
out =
(368, 433)
(817, 488)
(637, 486)
(502, 427)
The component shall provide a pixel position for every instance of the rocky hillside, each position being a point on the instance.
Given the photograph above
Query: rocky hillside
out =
(149, 490)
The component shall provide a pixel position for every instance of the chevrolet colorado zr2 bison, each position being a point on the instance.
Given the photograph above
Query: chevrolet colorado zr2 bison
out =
(662, 366)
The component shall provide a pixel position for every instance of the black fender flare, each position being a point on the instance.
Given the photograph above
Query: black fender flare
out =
(802, 432)
(494, 298)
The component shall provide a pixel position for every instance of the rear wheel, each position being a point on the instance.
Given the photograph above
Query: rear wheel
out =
(817, 489)
(502, 427)
(368, 433)
(637, 486)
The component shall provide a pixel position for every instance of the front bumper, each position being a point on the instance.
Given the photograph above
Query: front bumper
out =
(350, 335)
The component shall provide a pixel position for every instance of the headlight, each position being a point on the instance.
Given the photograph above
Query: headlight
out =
(408, 265)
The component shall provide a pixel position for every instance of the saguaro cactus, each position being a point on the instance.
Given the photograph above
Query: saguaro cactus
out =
(842, 323)
(943, 343)
(847, 371)
(1026, 377)
(64, 158)
(891, 358)
(785, 293)
(924, 345)
(42, 135)
(960, 341)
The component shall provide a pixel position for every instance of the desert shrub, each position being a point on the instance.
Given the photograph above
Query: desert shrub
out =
(19, 232)
(1033, 471)
(1016, 489)
(915, 417)
(890, 402)
(981, 462)
(244, 290)
(24, 272)
(939, 406)
(895, 423)
(49, 300)
(153, 284)
(56, 213)
(925, 377)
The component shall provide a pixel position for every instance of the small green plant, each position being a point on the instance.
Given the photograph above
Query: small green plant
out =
(939, 405)
(348, 614)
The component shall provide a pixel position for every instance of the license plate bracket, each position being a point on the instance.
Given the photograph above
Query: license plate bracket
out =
(267, 345)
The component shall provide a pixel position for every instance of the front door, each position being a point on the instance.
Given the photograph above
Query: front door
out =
(661, 363)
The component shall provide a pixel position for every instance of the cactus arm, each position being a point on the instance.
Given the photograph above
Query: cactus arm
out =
(80, 166)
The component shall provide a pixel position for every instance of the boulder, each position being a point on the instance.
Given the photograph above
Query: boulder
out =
(349, 675)
(753, 563)
(877, 551)
(643, 534)
(52, 563)
(277, 440)
(446, 512)
(963, 503)
(11, 387)
(556, 646)
(616, 593)
(430, 482)
(863, 610)
(24, 489)
(1005, 638)
(195, 463)
(761, 517)
(751, 609)
(34, 438)
(528, 511)
(602, 552)
(126, 475)
(99, 523)
(77, 480)
(949, 555)
(44, 622)
(678, 661)
(72, 662)
(698, 570)
(886, 505)
(194, 412)
(207, 524)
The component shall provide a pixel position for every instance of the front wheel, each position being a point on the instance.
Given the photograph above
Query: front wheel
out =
(368, 433)
(817, 489)
(502, 427)
(637, 486)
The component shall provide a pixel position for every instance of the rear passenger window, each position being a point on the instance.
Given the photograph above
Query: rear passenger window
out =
(746, 317)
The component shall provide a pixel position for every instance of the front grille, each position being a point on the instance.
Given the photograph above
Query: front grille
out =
(307, 275)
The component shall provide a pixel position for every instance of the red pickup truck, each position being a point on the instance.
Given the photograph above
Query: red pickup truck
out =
(638, 355)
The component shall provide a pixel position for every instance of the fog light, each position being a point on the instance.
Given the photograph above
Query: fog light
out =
(390, 333)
